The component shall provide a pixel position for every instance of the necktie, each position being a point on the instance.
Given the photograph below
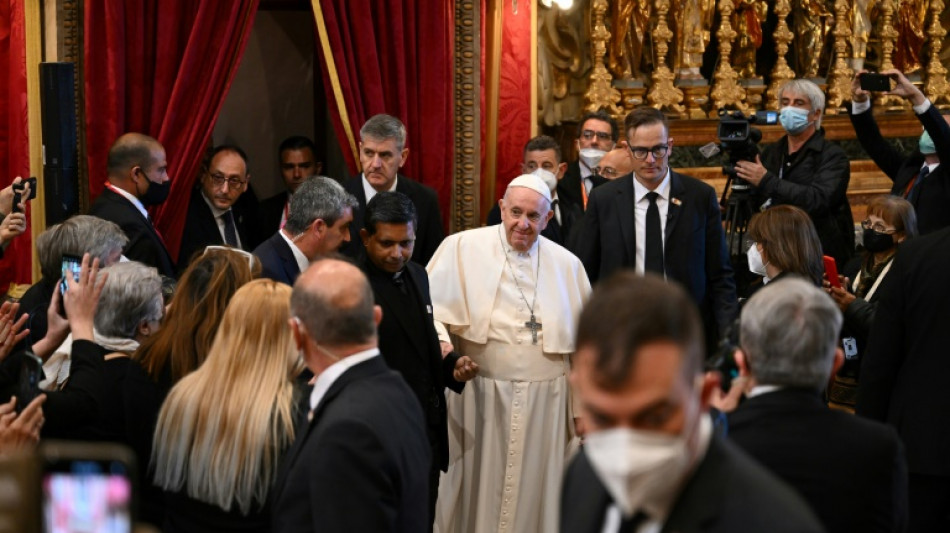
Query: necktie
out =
(557, 211)
(653, 254)
(230, 231)
(915, 189)
(631, 524)
(400, 282)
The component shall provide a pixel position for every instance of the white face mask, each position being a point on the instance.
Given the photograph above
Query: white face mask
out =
(755, 261)
(636, 465)
(547, 177)
(592, 156)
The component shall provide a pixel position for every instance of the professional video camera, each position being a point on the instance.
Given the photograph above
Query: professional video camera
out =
(738, 141)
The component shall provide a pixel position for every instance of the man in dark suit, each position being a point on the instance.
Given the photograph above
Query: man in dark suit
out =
(930, 194)
(651, 459)
(851, 471)
(361, 461)
(597, 134)
(297, 163)
(904, 372)
(319, 222)
(138, 178)
(383, 152)
(542, 156)
(407, 335)
(678, 234)
(214, 215)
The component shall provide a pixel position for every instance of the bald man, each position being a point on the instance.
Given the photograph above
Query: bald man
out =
(362, 461)
(137, 179)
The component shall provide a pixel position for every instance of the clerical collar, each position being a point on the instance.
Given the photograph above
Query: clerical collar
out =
(375, 271)
(370, 192)
(510, 250)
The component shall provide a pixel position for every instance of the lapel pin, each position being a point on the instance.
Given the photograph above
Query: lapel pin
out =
(676, 201)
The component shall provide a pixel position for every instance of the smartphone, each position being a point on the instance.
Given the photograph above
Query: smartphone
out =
(875, 82)
(831, 270)
(766, 117)
(18, 193)
(87, 487)
(31, 373)
(71, 264)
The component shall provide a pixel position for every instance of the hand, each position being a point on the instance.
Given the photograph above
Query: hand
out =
(13, 225)
(465, 369)
(580, 427)
(19, 431)
(904, 88)
(82, 297)
(447, 348)
(857, 93)
(57, 327)
(727, 402)
(841, 297)
(753, 172)
(6, 197)
(11, 330)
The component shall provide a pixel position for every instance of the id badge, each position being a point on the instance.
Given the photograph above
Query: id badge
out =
(850, 345)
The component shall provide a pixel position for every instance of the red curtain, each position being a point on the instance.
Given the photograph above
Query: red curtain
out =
(395, 57)
(163, 68)
(14, 133)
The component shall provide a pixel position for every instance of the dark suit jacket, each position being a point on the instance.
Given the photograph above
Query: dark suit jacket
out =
(362, 463)
(277, 260)
(556, 231)
(269, 213)
(569, 188)
(905, 367)
(411, 347)
(851, 471)
(727, 492)
(429, 232)
(201, 229)
(934, 194)
(145, 245)
(695, 252)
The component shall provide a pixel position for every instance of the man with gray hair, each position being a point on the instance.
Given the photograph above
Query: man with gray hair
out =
(383, 152)
(805, 170)
(851, 471)
(318, 223)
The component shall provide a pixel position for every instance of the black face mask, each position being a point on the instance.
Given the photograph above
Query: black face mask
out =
(156, 193)
(875, 242)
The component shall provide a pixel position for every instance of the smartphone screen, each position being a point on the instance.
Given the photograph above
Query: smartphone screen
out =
(85, 495)
(71, 264)
(875, 82)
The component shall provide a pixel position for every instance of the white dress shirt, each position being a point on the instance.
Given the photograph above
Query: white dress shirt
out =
(334, 371)
(219, 220)
(302, 262)
(640, 205)
(370, 192)
(130, 197)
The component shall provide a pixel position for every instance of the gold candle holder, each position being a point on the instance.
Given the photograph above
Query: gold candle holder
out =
(937, 89)
(600, 94)
(726, 92)
(889, 35)
(663, 95)
(781, 72)
(841, 74)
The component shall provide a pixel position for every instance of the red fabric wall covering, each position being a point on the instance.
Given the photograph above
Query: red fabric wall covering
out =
(396, 57)
(514, 95)
(14, 131)
(163, 68)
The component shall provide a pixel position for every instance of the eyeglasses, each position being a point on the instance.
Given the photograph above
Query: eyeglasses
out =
(219, 179)
(606, 172)
(658, 151)
(877, 227)
(246, 255)
(590, 134)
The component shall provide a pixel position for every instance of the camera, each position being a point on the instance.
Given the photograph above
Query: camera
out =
(740, 140)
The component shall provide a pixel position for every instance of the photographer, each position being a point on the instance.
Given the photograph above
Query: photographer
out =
(805, 170)
(927, 190)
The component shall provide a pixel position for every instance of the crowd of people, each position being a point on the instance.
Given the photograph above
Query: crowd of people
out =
(329, 360)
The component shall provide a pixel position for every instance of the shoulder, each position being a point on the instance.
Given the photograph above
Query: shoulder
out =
(418, 190)
(828, 149)
(620, 185)
(560, 254)
(692, 184)
(278, 199)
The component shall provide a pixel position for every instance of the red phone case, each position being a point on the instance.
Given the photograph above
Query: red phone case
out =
(831, 271)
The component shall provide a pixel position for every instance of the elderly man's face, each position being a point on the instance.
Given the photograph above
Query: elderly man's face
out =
(618, 162)
(381, 161)
(525, 214)
(656, 396)
(225, 179)
(332, 237)
(801, 101)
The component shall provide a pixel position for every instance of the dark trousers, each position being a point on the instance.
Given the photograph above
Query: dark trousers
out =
(928, 503)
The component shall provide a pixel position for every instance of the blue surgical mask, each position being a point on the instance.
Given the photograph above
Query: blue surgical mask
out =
(793, 119)
(926, 144)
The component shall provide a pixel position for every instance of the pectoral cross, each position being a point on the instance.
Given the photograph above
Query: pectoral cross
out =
(534, 326)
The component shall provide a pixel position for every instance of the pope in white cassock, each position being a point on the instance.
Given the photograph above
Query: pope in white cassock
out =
(510, 299)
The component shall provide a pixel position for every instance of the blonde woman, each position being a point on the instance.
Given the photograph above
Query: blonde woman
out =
(224, 427)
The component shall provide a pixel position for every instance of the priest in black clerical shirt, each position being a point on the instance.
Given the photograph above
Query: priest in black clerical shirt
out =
(407, 335)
